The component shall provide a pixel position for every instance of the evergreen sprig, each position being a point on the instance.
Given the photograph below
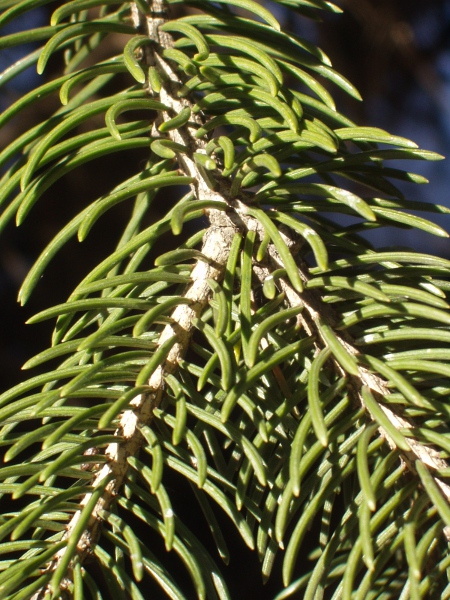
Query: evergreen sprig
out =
(285, 369)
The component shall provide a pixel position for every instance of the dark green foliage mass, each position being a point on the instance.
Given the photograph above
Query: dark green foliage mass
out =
(248, 347)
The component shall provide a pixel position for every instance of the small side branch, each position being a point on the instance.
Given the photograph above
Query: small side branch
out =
(315, 307)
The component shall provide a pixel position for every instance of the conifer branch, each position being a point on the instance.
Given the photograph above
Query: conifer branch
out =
(262, 433)
(216, 247)
(315, 308)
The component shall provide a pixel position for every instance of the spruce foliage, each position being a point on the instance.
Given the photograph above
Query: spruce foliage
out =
(290, 376)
